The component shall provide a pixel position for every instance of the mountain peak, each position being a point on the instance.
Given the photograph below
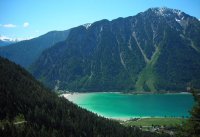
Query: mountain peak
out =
(164, 11)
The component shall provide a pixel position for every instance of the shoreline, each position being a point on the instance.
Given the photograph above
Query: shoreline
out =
(135, 118)
(139, 118)
(125, 93)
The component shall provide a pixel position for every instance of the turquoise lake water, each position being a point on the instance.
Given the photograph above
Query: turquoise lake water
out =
(116, 105)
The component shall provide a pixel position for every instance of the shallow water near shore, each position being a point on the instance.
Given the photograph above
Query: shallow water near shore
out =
(117, 105)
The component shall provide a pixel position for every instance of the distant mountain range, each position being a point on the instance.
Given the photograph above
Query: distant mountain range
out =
(26, 52)
(156, 50)
(4, 41)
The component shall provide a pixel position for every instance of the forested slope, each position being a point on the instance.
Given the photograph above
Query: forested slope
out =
(44, 114)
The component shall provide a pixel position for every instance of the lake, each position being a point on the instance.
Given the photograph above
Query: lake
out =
(117, 105)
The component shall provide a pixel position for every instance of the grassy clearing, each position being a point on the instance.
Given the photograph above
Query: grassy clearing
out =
(147, 78)
(155, 121)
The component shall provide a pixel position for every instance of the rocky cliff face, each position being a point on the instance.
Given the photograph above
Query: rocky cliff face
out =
(158, 49)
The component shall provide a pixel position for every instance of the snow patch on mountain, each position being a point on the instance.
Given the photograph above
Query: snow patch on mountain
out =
(87, 25)
(163, 11)
(177, 20)
(8, 39)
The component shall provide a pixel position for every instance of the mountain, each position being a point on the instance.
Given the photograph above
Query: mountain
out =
(156, 50)
(4, 41)
(29, 109)
(26, 52)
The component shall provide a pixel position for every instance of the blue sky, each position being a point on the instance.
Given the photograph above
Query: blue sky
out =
(31, 18)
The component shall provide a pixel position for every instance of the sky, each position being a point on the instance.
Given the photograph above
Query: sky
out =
(24, 19)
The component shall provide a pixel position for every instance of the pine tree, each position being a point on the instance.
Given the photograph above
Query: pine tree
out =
(192, 127)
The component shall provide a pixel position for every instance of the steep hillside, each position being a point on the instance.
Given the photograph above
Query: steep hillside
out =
(156, 50)
(26, 52)
(29, 109)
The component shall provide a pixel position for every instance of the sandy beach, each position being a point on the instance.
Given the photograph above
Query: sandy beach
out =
(73, 96)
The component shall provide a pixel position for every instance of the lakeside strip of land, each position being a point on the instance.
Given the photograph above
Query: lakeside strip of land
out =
(143, 117)
(159, 121)
(66, 93)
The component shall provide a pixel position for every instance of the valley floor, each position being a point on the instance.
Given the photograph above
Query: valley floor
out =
(154, 121)
(156, 124)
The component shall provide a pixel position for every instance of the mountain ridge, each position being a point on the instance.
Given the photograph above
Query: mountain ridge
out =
(136, 53)
(27, 51)
(125, 54)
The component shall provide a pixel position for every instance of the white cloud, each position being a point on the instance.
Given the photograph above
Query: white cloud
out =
(26, 24)
(9, 25)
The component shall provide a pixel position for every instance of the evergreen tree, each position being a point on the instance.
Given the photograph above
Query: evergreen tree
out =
(192, 127)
